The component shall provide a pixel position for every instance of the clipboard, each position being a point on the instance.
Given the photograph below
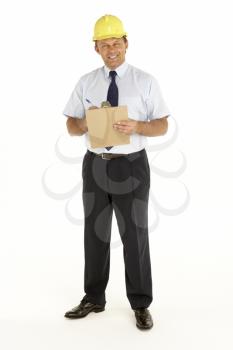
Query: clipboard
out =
(100, 126)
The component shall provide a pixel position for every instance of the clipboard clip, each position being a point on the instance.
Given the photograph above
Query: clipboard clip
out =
(105, 104)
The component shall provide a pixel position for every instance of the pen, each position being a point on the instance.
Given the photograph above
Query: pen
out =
(88, 101)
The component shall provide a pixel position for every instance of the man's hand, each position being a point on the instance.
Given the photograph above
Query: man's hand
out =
(127, 127)
(156, 127)
(83, 124)
(83, 121)
(76, 126)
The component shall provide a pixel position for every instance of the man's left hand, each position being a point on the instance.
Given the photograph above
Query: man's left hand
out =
(127, 127)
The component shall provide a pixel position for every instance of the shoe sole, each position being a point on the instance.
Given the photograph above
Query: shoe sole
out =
(98, 310)
(144, 328)
(94, 310)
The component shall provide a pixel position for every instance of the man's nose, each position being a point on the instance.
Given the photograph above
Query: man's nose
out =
(112, 50)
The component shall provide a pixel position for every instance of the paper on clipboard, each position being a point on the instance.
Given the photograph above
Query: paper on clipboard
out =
(100, 126)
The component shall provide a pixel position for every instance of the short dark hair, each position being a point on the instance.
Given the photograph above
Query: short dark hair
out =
(123, 37)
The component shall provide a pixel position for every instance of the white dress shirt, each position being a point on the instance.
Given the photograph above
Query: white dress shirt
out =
(138, 90)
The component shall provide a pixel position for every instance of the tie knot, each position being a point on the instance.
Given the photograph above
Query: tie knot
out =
(112, 74)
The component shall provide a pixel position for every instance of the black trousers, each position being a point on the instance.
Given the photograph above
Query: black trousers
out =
(121, 184)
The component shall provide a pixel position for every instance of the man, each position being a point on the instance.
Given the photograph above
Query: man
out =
(118, 177)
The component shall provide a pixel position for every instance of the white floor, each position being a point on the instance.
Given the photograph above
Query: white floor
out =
(114, 329)
(190, 310)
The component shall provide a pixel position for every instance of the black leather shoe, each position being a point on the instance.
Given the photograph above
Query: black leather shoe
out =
(144, 319)
(83, 309)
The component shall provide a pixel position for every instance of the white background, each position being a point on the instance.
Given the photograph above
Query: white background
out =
(45, 47)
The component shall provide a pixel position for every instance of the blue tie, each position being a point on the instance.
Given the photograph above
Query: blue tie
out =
(112, 96)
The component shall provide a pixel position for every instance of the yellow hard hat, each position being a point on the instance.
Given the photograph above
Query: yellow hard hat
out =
(108, 26)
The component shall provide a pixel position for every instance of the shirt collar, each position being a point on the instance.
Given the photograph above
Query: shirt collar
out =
(120, 70)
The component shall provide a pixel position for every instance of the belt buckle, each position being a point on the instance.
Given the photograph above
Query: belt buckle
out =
(102, 155)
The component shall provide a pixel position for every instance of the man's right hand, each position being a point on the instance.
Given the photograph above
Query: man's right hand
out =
(82, 123)
(76, 126)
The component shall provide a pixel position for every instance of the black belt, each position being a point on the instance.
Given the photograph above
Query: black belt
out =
(109, 156)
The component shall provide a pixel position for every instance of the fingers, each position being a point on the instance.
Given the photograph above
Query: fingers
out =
(123, 129)
(122, 122)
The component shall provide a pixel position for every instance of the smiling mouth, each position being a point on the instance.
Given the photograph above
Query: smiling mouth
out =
(112, 57)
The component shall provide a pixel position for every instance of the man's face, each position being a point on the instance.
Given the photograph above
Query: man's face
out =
(112, 51)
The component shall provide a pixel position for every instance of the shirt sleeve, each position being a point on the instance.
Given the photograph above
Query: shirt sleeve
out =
(74, 107)
(156, 106)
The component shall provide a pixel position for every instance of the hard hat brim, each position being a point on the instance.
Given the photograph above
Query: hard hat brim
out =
(109, 36)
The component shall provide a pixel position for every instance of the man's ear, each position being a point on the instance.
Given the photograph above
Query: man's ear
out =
(97, 49)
